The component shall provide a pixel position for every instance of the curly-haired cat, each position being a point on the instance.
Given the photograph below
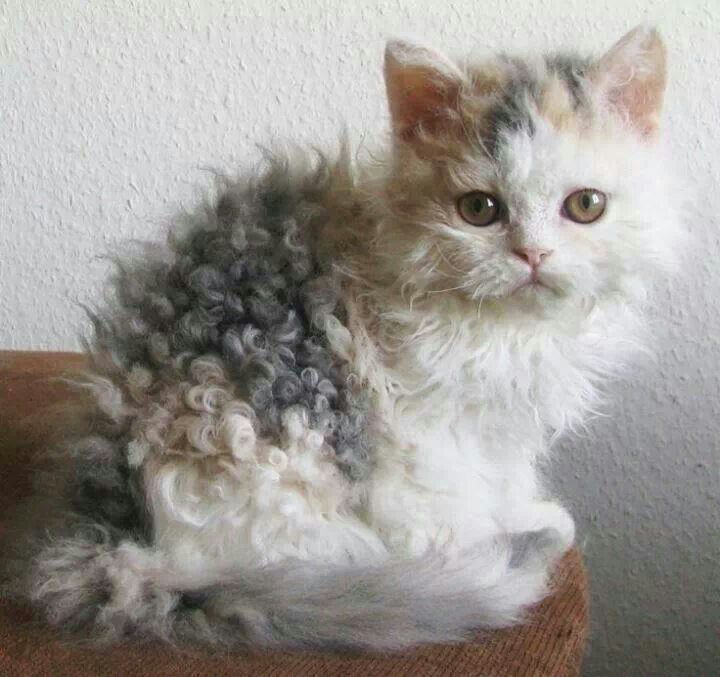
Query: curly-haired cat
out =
(318, 412)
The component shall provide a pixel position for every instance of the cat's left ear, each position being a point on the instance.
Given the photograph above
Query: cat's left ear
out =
(422, 89)
(632, 76)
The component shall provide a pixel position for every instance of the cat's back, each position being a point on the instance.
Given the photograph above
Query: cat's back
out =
(218, 393)
(241, 287)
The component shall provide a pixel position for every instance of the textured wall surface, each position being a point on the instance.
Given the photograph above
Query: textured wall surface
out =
(111, 112)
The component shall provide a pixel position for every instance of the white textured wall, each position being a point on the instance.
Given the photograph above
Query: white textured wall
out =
(109, 110)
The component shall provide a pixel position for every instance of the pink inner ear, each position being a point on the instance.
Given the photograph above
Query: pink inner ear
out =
(427, 106)
(422, 89)
(632, 75)
(643, 103)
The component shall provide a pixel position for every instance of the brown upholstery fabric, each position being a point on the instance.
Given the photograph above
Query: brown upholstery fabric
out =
(550, 643)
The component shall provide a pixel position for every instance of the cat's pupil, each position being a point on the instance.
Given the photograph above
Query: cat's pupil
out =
(586, 201)
(479, 205)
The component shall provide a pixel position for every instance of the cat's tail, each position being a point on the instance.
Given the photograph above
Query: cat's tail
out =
(122, 590)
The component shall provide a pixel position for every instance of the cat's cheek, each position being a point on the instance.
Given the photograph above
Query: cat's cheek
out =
(584, 245)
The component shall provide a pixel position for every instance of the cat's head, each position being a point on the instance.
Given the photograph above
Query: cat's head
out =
(529, 184)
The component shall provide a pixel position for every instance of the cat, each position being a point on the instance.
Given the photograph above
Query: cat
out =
(318, 412)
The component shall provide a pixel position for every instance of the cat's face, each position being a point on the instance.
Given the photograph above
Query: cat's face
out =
(529, 185)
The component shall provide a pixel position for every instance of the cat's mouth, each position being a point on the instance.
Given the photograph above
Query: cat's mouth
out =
(532, 282)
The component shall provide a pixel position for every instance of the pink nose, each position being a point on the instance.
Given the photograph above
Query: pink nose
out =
(533, 256)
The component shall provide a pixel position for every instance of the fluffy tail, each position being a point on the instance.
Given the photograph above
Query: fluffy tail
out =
(116, 591)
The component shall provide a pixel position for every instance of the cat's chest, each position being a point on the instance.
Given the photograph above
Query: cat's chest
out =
(458, 470)
(466, 405)
(458, 426)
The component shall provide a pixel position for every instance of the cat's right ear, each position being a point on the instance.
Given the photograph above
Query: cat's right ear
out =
(422, 89)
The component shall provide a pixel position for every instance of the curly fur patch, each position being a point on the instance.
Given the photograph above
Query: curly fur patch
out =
(241, 285)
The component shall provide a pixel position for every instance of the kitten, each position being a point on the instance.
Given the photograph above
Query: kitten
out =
(318, 413)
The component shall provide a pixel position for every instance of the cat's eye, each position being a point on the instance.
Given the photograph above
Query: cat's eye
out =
(585, 206)
(478, 208)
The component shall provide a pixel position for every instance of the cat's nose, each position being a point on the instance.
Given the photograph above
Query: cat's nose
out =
(533, 256)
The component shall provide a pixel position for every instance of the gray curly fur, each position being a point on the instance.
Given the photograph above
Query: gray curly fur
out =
(238, 281)
(243, 283)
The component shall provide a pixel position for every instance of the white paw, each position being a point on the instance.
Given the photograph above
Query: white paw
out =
(546, 516)
(554, 516)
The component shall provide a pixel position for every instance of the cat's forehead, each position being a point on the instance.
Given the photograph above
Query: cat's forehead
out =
(531, 122)
(513, 95)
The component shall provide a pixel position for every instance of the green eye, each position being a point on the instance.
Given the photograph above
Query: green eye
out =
(478, 208)
(585, 206)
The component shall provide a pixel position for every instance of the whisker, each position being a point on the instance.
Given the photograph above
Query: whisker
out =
(441, 291)
(480, 304)
(452, 265)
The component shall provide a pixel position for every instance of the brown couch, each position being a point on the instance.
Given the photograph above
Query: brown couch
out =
(551, 642)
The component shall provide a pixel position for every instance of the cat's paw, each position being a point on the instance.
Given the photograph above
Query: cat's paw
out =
(547, 518)
(556, 518)
(542, 547)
